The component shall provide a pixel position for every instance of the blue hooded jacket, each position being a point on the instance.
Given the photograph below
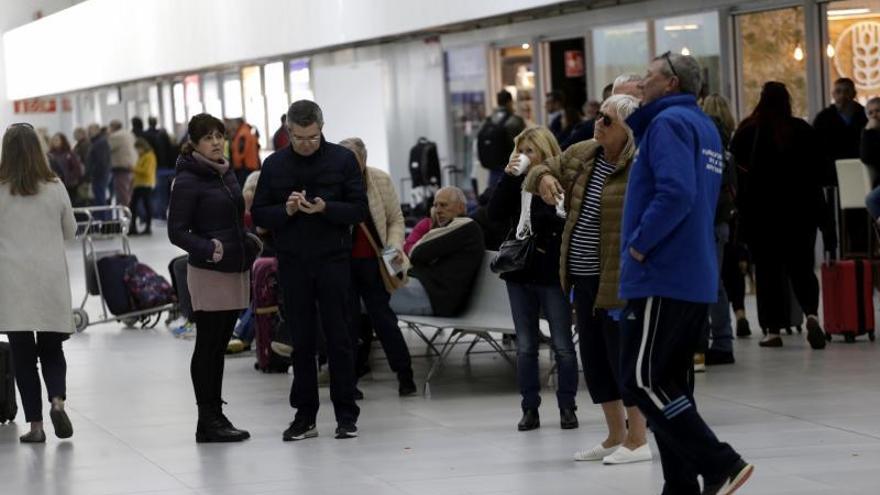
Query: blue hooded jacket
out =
(669, 211)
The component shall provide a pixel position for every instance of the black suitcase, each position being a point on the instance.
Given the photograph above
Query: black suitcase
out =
(8, 405)
(111, 271)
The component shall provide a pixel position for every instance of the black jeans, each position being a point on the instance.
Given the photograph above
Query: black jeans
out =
(599, 342)
(141, 195)
(26, 350)
(658, 339)
(213, 331)
(367, 285)
(775, 264)
(733, 279)
(311, 287)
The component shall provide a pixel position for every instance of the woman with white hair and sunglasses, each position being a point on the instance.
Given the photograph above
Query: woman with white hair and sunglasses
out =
(591, 178)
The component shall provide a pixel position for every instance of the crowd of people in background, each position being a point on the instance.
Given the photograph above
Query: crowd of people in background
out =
(643, 214)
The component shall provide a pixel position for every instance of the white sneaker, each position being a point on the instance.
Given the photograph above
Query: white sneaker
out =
(624, 455)
(597, 453)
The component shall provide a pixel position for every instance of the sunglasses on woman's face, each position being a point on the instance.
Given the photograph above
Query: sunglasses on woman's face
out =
(606, 120)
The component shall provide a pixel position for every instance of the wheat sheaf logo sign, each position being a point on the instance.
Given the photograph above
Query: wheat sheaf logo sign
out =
(858, 54)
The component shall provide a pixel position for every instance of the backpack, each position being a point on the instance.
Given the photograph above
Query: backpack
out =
(74, 171)
(424, 163)
(147, 288)
(494, 144)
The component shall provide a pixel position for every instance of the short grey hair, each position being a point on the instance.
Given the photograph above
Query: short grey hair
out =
(115, 125)
(357, 146)
(623, 105)
(687, 71)
(624, 79)
(873, 101)
(305, 113)
(457, 193)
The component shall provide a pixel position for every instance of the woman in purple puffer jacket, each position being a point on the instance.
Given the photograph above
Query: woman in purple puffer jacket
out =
(206, 219)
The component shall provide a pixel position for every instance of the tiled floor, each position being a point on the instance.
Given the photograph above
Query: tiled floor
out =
(810, 421)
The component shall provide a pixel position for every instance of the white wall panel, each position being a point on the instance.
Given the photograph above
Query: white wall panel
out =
(134, 39)
(413, 100)
(352, 98)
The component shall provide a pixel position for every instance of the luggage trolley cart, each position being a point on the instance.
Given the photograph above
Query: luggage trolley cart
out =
(108, 223)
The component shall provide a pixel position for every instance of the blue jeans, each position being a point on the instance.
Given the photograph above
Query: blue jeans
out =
(246, 325)
(872, 201)
(526, 303)
(411, 299)
(719, 313)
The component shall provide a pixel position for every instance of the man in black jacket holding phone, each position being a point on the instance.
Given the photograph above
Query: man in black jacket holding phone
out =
(309, 196)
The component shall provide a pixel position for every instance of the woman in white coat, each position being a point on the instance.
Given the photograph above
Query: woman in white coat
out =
(35, 301)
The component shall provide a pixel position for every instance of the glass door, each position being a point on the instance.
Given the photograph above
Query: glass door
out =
(780, 57)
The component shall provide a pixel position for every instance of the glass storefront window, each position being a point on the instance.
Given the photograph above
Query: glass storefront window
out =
(276, 96)
(618, 50)
(254, 104)
(193, 95)
(518, 78)
(853, 45)
(154, 100)
(696, 35)
(777, 57)
(233, 107)
(179, 104)
(167, 108)
(211, 87)
(300, 79)
(467, 80)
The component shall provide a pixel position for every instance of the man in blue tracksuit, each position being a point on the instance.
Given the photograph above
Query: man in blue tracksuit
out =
(669, 275)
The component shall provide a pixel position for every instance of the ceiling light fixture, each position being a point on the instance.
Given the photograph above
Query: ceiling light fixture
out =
(526, 46)
(685, 51)
(798, 53)
(681, 27)
(841, 12)
(830, 51)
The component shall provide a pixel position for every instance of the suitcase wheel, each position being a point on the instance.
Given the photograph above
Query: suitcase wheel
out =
(871, 336)
(849, 337)
(80, 319)
(800, 329)
(789, 331)
(828, 337)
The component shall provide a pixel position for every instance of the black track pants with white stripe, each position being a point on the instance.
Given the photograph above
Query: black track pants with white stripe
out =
(657, 343)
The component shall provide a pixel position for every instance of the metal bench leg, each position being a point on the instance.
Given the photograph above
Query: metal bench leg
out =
(473, 343)
(430, 342)
(454, 337)
(498, 348)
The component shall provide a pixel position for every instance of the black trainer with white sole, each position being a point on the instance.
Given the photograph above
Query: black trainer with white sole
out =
(732, 482)
(344, 431)
(300, 430)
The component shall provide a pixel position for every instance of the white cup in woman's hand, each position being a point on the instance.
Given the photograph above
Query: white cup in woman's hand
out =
(521, 165)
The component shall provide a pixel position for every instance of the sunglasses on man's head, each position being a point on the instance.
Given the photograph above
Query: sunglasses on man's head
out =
(666, 56)
(606, 120)
(21, 124)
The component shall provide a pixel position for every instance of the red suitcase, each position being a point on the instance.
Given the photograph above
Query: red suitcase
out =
(847, 298)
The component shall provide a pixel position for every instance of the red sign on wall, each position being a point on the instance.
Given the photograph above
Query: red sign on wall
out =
(574, 63)
(36, 105)
(41, 105)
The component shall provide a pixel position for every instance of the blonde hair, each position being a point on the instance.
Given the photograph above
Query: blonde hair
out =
(541, 139)
(717, 107)
(357, 146)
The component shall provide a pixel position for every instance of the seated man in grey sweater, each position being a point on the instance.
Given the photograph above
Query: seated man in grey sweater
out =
(445, 261)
